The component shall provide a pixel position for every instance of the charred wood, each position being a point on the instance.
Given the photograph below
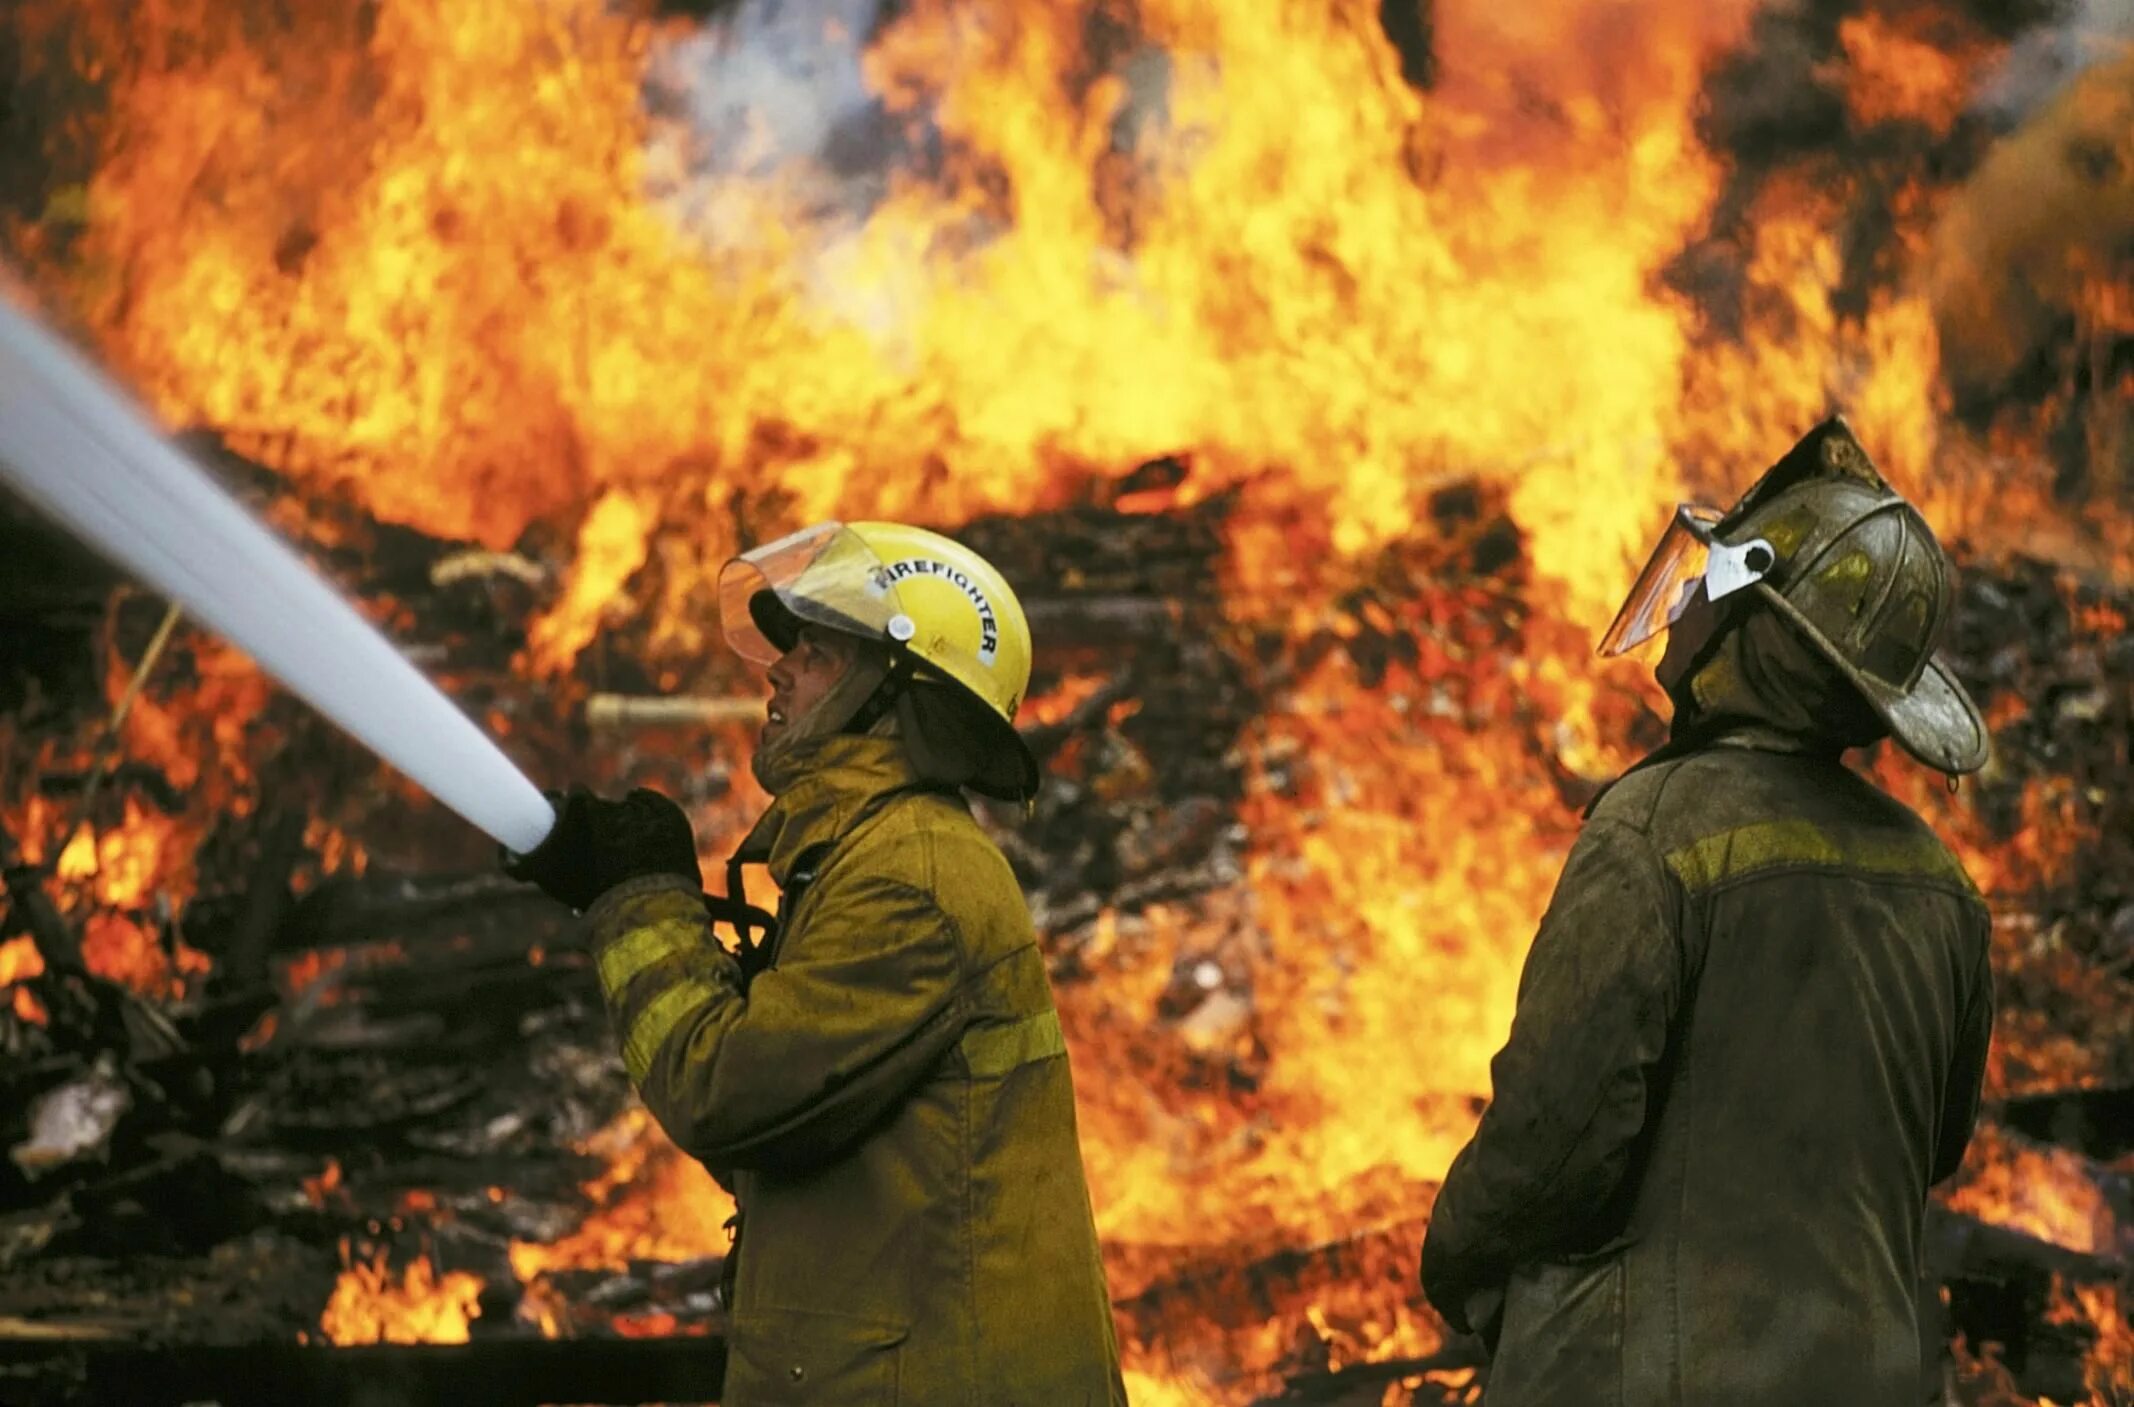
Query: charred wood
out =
(56, 942)
(422, 913)
(643, 711)
(2098, 1123)
(1197, 1310)
(1960, 1246)
(2001, 1288)
(266, 905)
(501, 1372)
(1365, 1384)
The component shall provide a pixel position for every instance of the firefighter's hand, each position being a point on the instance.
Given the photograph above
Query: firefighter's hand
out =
(598, 844)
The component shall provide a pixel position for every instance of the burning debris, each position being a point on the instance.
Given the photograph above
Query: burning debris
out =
(1313, 377)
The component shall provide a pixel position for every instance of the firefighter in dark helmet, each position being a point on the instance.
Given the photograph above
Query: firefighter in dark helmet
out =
(880, 1076)
(1752, 1028)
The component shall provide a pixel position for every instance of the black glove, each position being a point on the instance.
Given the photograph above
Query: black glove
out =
(598, 844)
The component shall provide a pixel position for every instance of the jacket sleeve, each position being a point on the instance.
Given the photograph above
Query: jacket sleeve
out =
(1967, 1072)
(861, 1005)
(1572, 1085)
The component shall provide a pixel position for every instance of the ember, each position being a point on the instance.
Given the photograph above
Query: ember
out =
(1314, 371)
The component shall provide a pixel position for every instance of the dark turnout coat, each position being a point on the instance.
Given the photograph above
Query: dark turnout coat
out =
(1751, 1032)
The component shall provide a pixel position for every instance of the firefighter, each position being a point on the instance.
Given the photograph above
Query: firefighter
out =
(1752, 1028)
(880, 1075)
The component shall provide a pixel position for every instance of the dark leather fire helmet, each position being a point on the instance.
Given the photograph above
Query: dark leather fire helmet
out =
(1824, 541)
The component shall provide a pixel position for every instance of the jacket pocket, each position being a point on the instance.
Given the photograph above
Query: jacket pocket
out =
(789, 1357)
(1562, 1341)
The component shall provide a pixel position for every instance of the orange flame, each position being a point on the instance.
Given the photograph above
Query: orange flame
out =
(652, 1202)
(20, 960)
(611, 546)
(2047, 1192)
(447, 260)
(371, 1305)
(325, 1185)
(28, 1008)
(1898, 75)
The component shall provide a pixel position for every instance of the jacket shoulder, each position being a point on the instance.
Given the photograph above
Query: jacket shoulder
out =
(931, 845)
(1635, 799)
(929, 842)
(1728, 813)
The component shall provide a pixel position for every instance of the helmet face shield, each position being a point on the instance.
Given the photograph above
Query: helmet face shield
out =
(823, 575)
(1689, 565)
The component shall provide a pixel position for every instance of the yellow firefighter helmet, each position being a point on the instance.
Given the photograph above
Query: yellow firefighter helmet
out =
(926, 596)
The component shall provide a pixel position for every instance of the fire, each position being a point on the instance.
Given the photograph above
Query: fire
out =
(325, 1185)
(19, 960)
(1898, 75)
(651, 1202)
(945, 353)
(372, 1305)
(28, 1008)
(611, 546)
(123, 950)
(2048, 1193)
(517, 273)
(112, 879)
(130, 865)
(1061, 701)
(2111, 1367)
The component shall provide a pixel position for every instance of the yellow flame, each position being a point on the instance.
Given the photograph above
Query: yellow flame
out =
(372, 1305)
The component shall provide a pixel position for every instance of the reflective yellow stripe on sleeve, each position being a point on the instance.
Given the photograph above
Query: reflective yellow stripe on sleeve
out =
(651, 1027)
(992, 1051)
(638, 949)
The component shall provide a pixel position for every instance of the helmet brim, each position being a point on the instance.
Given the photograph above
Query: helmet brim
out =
(1934, 721)
(1010, 772)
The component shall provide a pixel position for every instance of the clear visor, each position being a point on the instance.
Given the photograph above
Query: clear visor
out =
(1689, 565)
(824, 575)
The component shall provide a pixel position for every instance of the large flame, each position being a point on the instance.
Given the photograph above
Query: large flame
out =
(495, 269)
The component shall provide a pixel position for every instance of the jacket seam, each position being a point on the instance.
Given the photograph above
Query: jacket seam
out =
(969, 1221)
(1548, 1182)
(1659, 795)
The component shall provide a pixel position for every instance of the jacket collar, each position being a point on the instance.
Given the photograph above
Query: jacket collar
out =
(843, 776)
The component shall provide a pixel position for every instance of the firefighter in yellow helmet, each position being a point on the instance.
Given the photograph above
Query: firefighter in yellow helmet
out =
(1752, 1029)
(879, 1073)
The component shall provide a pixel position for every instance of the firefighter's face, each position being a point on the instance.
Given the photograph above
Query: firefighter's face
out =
(803, 674)
(1685, 638)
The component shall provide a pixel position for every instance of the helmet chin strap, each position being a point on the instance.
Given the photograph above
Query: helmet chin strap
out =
(885, 695)
(1681, 690)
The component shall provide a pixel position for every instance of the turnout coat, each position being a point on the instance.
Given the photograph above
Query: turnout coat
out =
(890, 1100)
(1750, 1033)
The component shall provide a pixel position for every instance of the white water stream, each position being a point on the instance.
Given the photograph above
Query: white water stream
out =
(77, 447)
